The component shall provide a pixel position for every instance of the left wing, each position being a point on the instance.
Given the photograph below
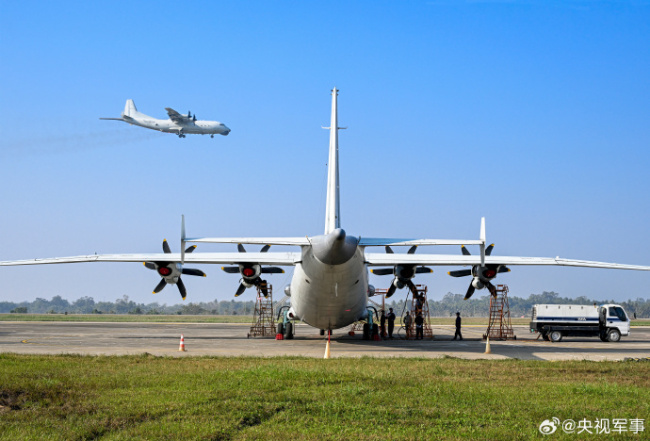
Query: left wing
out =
(175, 116)
(271, 258)
(379, 259)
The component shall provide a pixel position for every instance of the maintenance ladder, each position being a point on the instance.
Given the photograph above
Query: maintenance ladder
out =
(263, 319)
(419, 304)
(499, 326)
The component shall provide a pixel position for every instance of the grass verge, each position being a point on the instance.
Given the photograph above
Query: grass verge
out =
(145, 397)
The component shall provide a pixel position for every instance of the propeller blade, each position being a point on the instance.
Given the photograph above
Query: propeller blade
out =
(470, 291)
(389, 250)
(423, 270)
(412, 249)
(149, 265)
(241, 248)
(160, 286)
(383, 271)
(460, 273)
(181, 288)
(193, 272)
(190, 249)
(491, 288)
(265, 248)
(166, 248)
(272, 270)
(391, 290)
(488, 250)
(263, 286)
(240, 290)
(411, 286)
(231, 269)
(504, 269)
(465, 251)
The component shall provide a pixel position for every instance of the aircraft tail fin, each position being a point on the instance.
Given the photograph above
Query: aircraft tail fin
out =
(130, 109)
(332, 208)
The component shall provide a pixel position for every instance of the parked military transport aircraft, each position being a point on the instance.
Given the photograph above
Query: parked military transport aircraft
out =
(329, 288)
(177, 123)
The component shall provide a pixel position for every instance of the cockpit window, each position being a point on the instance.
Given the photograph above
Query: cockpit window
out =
(617, 311)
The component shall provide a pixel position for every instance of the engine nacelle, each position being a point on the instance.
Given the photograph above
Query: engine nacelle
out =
(404, 271)
(483, 274)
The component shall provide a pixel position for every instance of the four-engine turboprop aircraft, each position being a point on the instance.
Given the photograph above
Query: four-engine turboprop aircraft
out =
(177, 123)
(329, 288)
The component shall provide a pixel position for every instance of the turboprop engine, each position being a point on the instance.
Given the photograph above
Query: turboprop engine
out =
(482, 275)
(403, 273)
(251, 273)
(171, 271)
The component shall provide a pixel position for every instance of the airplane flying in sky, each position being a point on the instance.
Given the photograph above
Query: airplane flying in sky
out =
(177, 123)
(329, 288)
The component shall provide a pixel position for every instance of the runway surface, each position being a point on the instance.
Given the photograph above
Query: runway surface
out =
(231, 340)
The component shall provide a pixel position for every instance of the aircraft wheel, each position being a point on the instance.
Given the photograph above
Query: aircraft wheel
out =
(280, 328)
(211, 136)
(613, 335)
(288, 331)
(322, 332)
(366, 331)
(375, 329)
(556, 336)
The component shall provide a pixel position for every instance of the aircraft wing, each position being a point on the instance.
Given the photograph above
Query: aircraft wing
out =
(175, 116)
(270, 258)
(377, 241)
(287, 241)
(384, 259)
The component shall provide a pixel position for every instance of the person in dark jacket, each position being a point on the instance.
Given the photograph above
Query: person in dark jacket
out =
(382, 324)
(391, 322)
(419, 327)
(458, 334)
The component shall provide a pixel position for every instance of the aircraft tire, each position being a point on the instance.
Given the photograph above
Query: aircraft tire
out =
(288, 331)
(280, 329)
(366, 331)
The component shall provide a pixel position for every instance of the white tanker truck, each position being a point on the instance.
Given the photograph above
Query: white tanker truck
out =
(609, 322)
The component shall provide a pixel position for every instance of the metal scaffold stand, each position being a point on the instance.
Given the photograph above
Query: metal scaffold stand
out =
(499, 327)
(263, 319)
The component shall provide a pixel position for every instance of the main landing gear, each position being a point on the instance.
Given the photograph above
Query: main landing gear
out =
(285, 328)
(211, 136)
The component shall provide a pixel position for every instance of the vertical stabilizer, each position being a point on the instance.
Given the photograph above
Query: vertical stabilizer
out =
(332, 210)
(130, 109)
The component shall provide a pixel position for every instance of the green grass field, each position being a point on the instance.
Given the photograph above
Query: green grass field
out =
(144, 397)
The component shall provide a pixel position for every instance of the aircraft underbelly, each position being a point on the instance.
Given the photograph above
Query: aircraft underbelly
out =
(330, 296)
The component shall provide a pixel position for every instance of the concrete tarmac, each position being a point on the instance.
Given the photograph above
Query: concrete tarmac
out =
(210, 339)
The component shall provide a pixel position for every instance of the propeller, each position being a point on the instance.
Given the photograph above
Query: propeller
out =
(171, 271)
(251, 273)
(482, 274)
(403, 273)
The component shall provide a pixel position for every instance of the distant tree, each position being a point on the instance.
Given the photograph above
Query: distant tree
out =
(19, 310)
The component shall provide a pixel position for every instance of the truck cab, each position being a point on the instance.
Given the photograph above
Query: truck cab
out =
(613, 318)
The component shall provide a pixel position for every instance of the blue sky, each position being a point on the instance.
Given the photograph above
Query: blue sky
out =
(533, 114)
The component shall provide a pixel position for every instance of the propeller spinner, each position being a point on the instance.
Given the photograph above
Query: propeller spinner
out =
(482, 274)
(170, 272)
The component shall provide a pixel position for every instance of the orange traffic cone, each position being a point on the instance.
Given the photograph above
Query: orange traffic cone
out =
(487, 346)
(181, 348)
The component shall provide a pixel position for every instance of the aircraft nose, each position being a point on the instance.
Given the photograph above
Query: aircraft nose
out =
(226, 130)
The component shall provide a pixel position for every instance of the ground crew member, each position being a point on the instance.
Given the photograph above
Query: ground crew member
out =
(407, 324)
(391, 322)
(458, 334)
(419, 327)
(382, 324)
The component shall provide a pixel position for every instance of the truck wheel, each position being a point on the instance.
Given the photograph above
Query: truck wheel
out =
(555, 336)
(613, 335)
(545, 336)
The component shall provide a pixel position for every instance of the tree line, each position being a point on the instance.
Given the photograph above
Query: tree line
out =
(447, 306)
